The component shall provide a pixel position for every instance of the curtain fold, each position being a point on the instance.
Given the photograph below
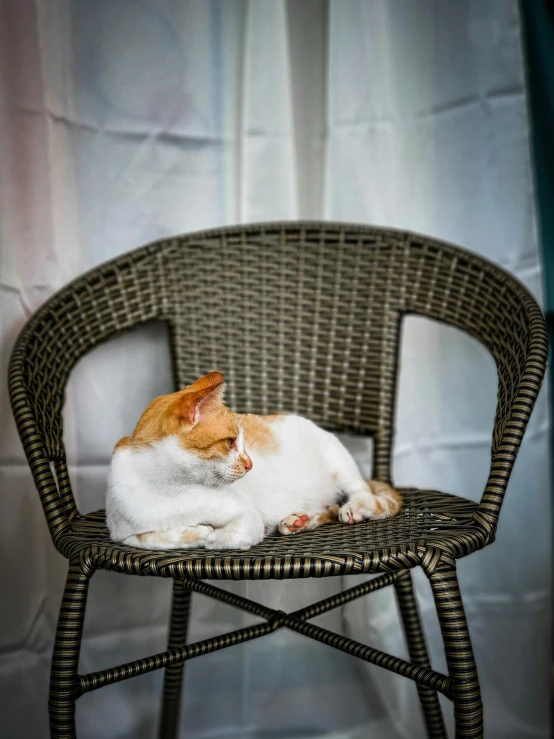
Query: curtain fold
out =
(125, 121)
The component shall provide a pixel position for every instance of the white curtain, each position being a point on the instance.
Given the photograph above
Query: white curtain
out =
(122, 121)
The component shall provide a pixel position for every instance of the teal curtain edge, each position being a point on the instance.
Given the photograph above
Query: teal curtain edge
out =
(538, 28)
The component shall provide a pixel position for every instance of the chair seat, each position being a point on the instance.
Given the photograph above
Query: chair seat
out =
(429, 519)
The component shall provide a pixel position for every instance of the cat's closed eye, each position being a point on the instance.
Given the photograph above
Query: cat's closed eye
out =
(231, 441)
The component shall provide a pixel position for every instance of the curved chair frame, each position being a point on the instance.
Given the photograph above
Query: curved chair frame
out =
(315, 307)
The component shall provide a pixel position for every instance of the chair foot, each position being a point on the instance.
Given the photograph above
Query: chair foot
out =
(466, 694)
(417, 649)
(65, 659)
(173, 677)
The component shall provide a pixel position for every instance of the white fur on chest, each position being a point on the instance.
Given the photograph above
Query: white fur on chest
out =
(149, 490)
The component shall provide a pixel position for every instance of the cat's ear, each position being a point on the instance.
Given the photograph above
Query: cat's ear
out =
(203, 396)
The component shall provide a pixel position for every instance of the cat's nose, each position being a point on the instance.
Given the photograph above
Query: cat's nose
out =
(247, 462)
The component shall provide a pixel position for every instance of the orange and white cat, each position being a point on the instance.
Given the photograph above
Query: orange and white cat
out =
(195, 474)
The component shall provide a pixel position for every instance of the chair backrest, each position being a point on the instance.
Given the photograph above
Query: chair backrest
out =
(303, 317)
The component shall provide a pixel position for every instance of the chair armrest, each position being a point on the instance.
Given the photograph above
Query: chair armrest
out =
(521, 367)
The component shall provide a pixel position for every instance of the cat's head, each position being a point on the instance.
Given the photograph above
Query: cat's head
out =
(205, 437)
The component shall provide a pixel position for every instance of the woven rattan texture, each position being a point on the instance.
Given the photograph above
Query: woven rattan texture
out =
(299, 317)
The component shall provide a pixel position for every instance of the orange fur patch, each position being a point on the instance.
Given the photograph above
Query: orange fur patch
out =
(211, 436)
(157, 538)
(211, 380)
(123, 443)
(190, 536)
(152, 537)
(208, 439)
(154, 424)
(168, 415)
(331, 514)
(258, 433)
(391, 501)
(379, 508)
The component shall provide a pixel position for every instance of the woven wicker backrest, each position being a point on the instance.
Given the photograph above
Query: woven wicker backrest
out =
(299, 317)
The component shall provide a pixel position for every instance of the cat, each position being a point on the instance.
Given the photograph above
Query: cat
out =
(195, 474)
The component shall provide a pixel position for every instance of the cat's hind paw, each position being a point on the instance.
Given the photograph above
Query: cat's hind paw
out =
(378, 502)
(304, 521)
(294, 523)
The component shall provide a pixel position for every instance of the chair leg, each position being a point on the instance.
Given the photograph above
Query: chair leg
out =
(173, 678)
(466, 694)
(65, 659)
(411, 619)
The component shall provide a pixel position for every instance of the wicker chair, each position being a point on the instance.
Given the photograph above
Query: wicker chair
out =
(320, 308)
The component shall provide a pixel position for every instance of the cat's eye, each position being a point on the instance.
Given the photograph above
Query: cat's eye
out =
(231, 442)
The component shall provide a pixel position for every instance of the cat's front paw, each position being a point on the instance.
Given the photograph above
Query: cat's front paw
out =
(242, 532)
(223, 539)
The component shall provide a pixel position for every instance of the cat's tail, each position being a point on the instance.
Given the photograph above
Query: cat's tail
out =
(388, 501)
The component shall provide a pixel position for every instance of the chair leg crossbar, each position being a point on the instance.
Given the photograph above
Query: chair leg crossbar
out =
(296, 621)
(460, 685)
